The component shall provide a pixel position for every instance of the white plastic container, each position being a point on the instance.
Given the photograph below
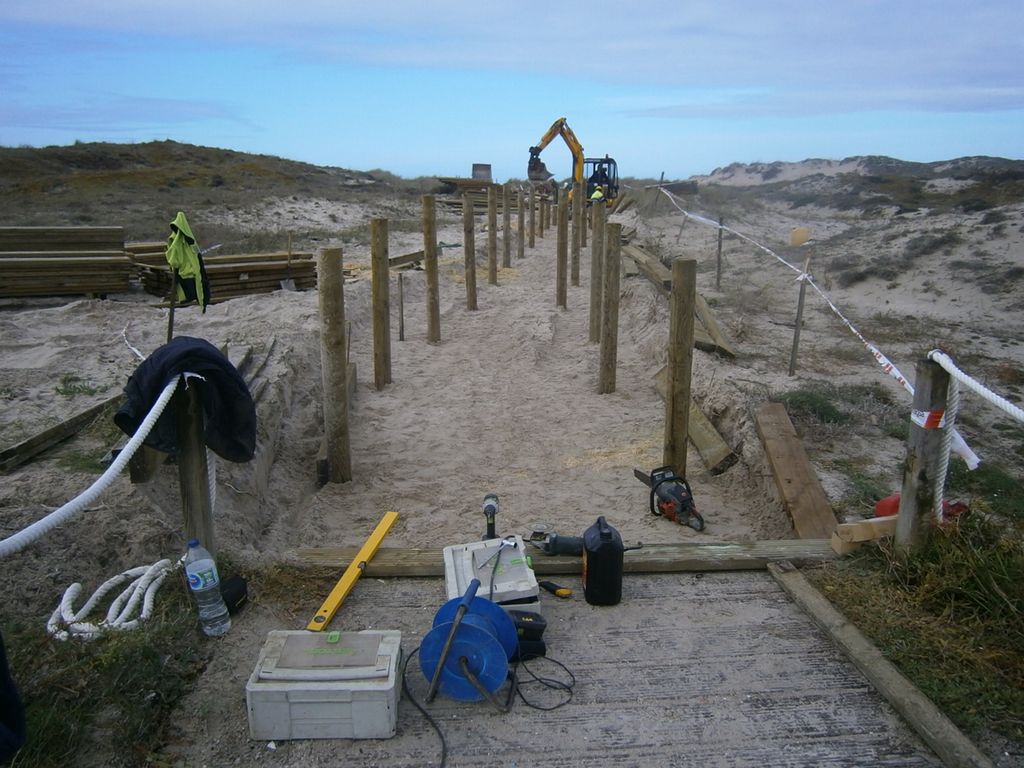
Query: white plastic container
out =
(514, 579)
(325, 685)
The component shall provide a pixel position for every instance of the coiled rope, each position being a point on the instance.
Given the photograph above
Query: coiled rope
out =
(66, 622)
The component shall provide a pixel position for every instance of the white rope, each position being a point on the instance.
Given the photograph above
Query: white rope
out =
(18, 541)
(942, 461)
(959, 446)
(944, 360)
(65, 622)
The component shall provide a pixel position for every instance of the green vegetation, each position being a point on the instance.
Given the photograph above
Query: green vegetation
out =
(71, 385)
(951, 618)
(119, 688)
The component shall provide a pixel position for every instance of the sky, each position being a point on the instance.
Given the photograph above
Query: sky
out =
(679, 87)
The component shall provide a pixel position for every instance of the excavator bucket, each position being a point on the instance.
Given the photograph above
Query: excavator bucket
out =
(537, 171)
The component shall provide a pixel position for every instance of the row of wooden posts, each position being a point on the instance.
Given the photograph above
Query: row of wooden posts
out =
(605, 252)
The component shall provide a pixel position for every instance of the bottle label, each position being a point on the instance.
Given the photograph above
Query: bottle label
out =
(202, 579)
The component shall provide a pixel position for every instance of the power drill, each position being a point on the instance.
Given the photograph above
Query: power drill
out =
(671, 497)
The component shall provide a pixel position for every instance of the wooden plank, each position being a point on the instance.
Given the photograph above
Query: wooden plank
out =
(931, 724)
(20, 453)
(60, 238)
(868, 530)
(72, 257)
(651, 268)
(652, 558)
(799, 487)
(715, 452)
(710, 323)
(406, 259)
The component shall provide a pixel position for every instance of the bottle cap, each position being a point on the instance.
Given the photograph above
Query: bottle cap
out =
(193, 542)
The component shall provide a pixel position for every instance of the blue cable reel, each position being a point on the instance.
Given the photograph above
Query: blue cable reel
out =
(471, 641)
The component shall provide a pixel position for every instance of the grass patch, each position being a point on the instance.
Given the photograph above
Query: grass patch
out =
(72, 385)
(1001, 492)
(951, 618)
(865, 488)
(111, 695)
(811, 405)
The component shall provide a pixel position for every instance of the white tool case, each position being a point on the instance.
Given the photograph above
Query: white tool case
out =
(325, 685)
(514, 579)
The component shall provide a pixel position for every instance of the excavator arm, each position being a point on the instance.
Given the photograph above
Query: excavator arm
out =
(537, 171)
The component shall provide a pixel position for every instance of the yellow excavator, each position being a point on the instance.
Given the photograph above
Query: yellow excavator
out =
(588, 173)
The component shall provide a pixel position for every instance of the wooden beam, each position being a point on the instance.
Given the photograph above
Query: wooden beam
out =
(651, 558)
(798, 484)
(18, 454)
(952, 747)
(713, 449)
(406, 259)
(867, 530)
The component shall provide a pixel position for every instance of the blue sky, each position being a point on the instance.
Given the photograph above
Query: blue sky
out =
(428, 88)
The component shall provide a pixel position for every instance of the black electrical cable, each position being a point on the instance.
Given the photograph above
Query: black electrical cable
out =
(547, 682)
(423, 711)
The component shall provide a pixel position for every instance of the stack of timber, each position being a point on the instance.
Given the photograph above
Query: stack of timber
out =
(63, 261)
(476, 189)
(233, 276)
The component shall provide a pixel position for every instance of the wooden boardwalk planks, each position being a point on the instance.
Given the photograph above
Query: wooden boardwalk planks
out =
(801, 491)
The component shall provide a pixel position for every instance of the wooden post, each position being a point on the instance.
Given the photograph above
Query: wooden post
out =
(401, 308)
(924, 447)
(193, 472)
(334, 364)
(799, 316)
(578, 228)
(173, 298)
(585, 218)
(492, 234)
(469, 248)
(562, 253)
(718, 263)
(610, 310)
(506, 216)
(380, 274)
(533, 216)
(680, 363)
(521, 240)
(430, 264)
(596, 270)
(542, 220)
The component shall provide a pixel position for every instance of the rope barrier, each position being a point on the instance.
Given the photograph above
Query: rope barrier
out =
(18, 541)
(959, 445)
(947, 364)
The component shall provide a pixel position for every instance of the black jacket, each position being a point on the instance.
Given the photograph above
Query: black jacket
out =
(230, 430)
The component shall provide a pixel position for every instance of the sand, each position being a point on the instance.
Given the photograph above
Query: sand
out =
(506, 403)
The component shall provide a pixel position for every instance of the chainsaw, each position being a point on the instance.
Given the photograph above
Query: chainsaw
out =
(671, 497)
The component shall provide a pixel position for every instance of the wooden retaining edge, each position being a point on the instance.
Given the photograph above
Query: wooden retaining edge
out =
(652, 558)
(937, 730)
(18, 454)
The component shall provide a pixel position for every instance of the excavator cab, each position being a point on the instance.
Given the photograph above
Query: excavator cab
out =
(601, 172)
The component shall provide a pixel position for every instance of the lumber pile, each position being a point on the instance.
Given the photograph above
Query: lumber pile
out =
(63, 261)
(232, 276)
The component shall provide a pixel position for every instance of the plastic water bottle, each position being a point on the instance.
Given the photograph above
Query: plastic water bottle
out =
(205, 585)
